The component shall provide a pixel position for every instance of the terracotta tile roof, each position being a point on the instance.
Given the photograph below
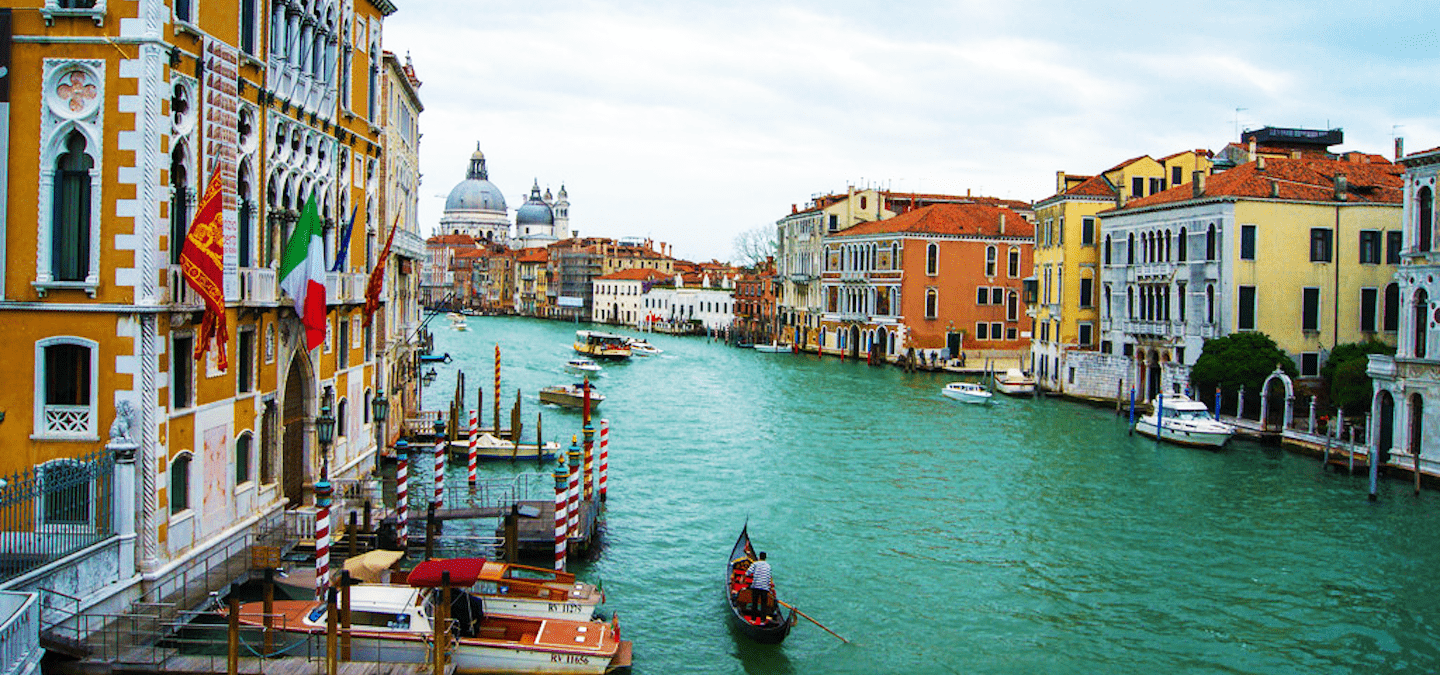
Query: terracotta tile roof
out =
(636, 274)
(1095, 187)
(477, 253)
(533, 255)
(1124, 164)
(452, 240)
(1305, 179)
(1198, 151)
(952, 219)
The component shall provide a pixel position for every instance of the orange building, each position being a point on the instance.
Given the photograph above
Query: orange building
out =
(939, 279)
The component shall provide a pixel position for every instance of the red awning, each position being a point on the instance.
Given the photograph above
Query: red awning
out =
(463, 572)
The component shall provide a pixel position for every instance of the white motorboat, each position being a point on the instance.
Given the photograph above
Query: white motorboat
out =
(640, 347)
(581, 364)
(772, 348)
(393, 624)
(967, 392)
(598, 345)
(1185, 421)
(1014, 382)
(570, 396)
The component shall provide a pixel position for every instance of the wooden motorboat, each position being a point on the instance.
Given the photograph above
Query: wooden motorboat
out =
(570, 396)
(1185, 421)
(769, 628)
(1015, 382)
(392, 624)
(967, 392)
(582, 365)
(490, 446)
(513, 590)
(598, 345)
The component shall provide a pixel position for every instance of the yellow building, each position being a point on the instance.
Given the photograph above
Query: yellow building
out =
(134, 107)
(1301, 249)
(397, 322)
(1067, 251)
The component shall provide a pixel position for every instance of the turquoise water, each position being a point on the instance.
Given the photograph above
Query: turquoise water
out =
(1034, 536)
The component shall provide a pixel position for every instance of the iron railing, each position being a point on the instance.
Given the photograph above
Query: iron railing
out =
(52, 510)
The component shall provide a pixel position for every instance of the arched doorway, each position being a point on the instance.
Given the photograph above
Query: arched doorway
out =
(294, 416)
(1277, 403)
(1385, 426)
(854, 344)
(1417, 417)
(1152, 376)
(877, 347)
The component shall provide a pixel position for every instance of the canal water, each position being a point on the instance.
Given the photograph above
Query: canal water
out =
(1033, 536)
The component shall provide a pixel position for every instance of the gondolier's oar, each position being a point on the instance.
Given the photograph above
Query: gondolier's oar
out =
(807, 616)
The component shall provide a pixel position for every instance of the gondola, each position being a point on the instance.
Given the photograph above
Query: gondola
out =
(770, 629)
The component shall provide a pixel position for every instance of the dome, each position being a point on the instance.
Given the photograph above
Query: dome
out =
(476, 192)
(535, 211)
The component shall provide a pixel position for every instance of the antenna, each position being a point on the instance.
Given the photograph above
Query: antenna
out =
(1237, 121)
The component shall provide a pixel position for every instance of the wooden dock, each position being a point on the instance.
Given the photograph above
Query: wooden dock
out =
(216, 665)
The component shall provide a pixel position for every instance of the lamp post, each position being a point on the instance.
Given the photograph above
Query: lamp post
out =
(380, 411)
(325, 434)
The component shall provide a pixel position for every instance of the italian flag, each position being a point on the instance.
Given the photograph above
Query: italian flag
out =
(302, 273)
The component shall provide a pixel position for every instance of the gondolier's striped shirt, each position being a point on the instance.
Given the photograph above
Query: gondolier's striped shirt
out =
(760, 575)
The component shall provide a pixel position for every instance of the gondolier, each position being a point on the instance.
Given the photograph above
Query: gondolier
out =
(760, 585)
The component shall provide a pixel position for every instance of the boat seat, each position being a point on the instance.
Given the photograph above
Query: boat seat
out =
(744, 596)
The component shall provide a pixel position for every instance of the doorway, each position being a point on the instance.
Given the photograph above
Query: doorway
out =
(297, 393)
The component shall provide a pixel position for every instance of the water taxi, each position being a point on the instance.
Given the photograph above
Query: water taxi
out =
(1184, 421)
(598, 345)
(966, 392)
(570, 395)
(1015, 382)
(640, 347)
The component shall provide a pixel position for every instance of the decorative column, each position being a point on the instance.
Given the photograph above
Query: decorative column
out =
(562, 528)
(573, 510)
(604, 455)
(402, 494)
(323, 491)
(122, 489)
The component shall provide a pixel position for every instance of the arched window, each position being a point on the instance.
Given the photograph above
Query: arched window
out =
(932, 259)
(1107, 249)
(932, 303)
(1210, 242)
(179, 201)
(1109, 302)
(1421, 324)
(66, 388)
(1013, 266)
(1181, 246)
(340, 410)
(1130, 250)
(243, 457)
(180, 483)
(365, 413)
(1424, 218)
(70, 226)
(1166, 257)
(991, 254)
(1210, 304)
(1012, 306)
(246, 222)
(1392, 308)
(1129, 302)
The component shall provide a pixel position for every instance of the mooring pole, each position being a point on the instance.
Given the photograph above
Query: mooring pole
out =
(353, 535)
(430, 531)
(402, 494)
(604, 455)
(561, 522)
(323, 491)
(332, 625)
(573, 510)
(512, 534)
(345, 584)
(268, 607)
(1372, 450)
(474, 439)
(232, 647)
(497, 391)
(1132, 409)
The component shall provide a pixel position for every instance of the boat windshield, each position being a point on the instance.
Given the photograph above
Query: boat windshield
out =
(1186, 415)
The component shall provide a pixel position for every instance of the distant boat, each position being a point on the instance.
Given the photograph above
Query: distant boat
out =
(570, 396)
(598, 345)
(770, 628)
(967, 392)
(772, 348)
(1184, 421)
(640, 347)
(581, 364)
(1015, 383)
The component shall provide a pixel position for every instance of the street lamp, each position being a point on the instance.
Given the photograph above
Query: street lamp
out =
(325, 434)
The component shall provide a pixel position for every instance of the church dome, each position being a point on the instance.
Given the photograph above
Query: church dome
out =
(476, 192)
(535, 211)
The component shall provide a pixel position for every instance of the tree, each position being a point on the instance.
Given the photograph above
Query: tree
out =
(1240, 359)
(1345, 374)
(754, 245)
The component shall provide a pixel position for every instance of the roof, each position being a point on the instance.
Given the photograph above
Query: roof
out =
(1305, 179)
(451, 240)
(635, 274)
(1096, 186)
(952, 219)
(1198, 151)
(533, 255)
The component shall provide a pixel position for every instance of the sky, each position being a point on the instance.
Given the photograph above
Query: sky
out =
(689, 123)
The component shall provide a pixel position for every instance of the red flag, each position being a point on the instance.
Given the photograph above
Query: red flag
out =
(377, 277)
(202, 262)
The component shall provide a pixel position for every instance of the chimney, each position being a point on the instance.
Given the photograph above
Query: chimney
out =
(1260, 163)
(1342, 187)
(1120, 196)
(794, 209)
(1252, 147)
(1059, 182)
(1002, 222)
(1274, 189)
(1399, 147)
(1294, 154)
(1197, 184)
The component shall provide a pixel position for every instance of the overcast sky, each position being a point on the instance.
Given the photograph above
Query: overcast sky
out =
(691, 122)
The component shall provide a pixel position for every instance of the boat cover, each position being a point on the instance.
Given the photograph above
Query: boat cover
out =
(463, 572)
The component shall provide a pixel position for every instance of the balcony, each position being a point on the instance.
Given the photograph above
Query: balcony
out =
(408, 245)
(345, 288)
(802, 278)
(20, 649)
(258, 287)
(178, 292)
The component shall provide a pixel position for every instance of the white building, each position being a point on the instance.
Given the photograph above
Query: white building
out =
(711, 308)
(619, 297)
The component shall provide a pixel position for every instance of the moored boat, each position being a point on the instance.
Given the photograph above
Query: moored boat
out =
(1014, 382)
(1185, 421)
(489, 446)
(393, 624)
(513, 590)
(767, 627)
(598, 345)
(967, 392)
(581, 364)
(772, 348)
(570, 395)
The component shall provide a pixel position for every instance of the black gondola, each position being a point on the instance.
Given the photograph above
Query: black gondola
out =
(768, 627)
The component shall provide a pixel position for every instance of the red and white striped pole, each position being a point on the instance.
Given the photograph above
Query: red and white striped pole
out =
(573, 510)
(440, 474)
(323, 490)
(604, 454)
(474, 439)
(402, 493)
(561, 525)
